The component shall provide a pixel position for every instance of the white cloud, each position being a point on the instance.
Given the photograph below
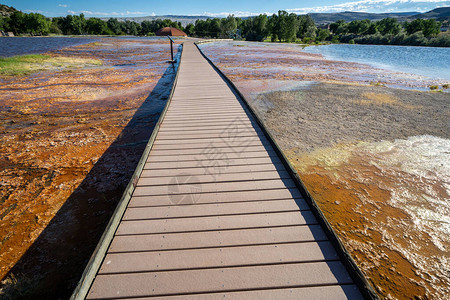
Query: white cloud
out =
(376, 6)
(372, 6)
(63, 5)
(235, 13)
(100, 13)
(35, 11)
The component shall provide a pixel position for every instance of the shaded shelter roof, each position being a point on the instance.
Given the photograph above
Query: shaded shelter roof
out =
(170, 31)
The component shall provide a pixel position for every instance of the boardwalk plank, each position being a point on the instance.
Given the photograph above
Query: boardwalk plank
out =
(218, 257)
(199, 188)
(206, 162)
(223, 279)
(170, 211)
(212, 156)
(212, 239)
(216, 223)
(216, 197)
(189, 179)
(167, 152)
(334, 292)
(212, 171)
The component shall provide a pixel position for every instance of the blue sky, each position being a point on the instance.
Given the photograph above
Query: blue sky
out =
(216, 8)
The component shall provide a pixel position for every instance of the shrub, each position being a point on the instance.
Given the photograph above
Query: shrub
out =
(398, 39)
(416, 39)
(335, 39)
(442, 40)
(346, 38)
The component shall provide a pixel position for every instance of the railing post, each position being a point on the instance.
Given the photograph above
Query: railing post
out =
(171, 49)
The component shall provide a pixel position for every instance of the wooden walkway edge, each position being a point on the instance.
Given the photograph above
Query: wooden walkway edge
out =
(215, 210)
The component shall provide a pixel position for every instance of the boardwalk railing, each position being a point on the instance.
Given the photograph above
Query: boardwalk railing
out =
(352, 267)
(97, 257)
(171, 50)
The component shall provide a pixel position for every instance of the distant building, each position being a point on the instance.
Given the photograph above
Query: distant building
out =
(170, 31)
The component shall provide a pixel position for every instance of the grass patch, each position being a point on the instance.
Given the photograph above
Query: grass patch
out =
(20, 65)
(434, 87)
(376, 83)
(446, 85)
(27, 64)
(371, 98)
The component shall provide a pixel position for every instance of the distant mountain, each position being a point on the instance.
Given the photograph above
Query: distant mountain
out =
(319, 18)
(6, 11)
(183, 19)
(348, 16)
(440, 14)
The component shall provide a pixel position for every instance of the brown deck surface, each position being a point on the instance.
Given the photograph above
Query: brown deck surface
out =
(214, 213)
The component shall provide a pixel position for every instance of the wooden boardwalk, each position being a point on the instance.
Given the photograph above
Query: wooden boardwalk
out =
(215, 213)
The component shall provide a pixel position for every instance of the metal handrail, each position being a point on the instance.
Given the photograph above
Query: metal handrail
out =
(171, 50)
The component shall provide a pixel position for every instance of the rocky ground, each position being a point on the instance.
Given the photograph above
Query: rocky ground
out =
(339, 137)
(70, 140)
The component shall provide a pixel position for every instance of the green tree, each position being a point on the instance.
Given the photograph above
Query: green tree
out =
(273, 27)
(388, 26)
(372, 28)
(73, 24)
(97, 26)
(289, 26)
(428, 27)
(132, 28)
(201, 28)
(17, 23)
(431, 27)
(359, 26)
(256, 28)
(306, 27)
(189, 29)
(338, 27)
(115, 26)
(37, 24)
(322, 35)
(207, 28)
(54, 27)
(414, 26)
(214, 27)
(283, 26)
(3, 23)
(228, 27)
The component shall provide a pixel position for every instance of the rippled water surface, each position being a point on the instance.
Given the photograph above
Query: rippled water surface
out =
(32, 45)
(427, 61)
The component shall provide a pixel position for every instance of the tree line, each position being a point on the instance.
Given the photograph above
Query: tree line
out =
(389, 31)
(36, 24)
(289, 27)
(280, 27)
